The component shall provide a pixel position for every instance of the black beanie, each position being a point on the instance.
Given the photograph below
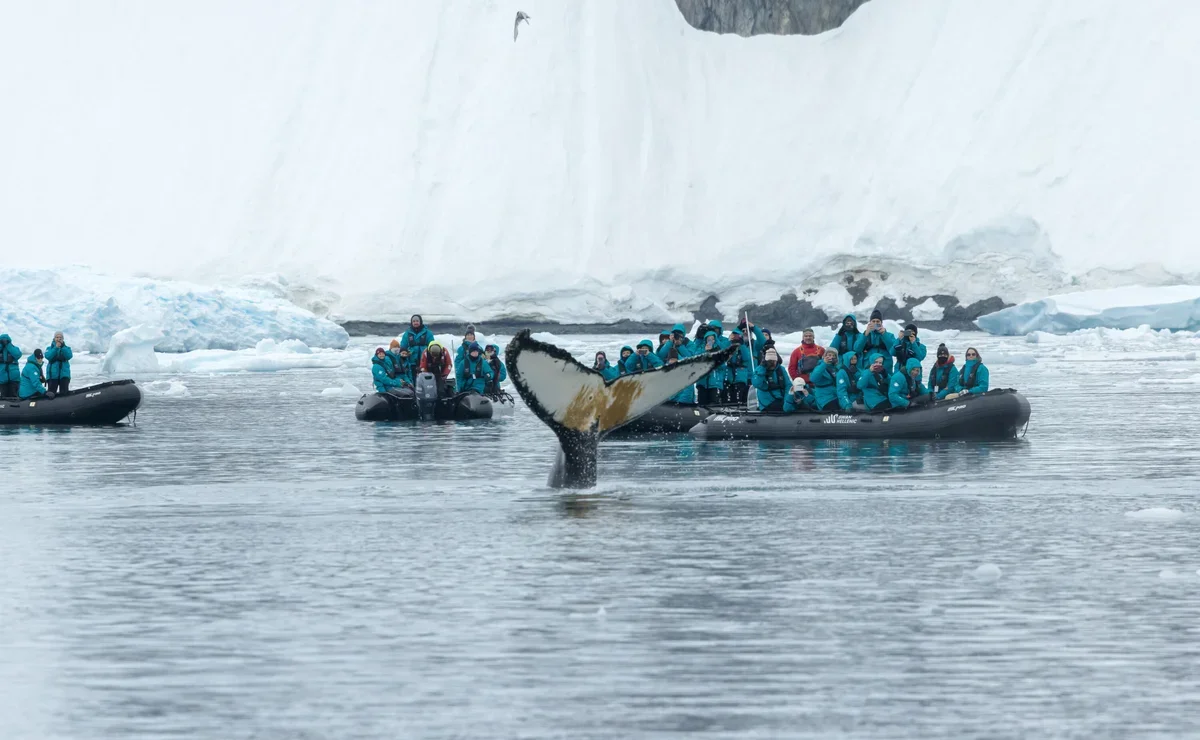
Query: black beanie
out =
(912, 328)
(470, 329)
(877, 314)
(942, 348)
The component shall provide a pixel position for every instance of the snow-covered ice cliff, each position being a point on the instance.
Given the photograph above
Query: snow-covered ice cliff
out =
(612, 162)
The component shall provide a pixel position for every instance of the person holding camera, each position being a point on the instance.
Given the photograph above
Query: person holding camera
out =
(909, 347)
(806, 357)
(58, 365)
(876, 340)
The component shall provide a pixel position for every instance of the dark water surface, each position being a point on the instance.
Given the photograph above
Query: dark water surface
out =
(248, 564)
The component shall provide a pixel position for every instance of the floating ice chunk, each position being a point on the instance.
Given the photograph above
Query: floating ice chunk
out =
(928, 311)
(1156, 514)
(347, 390)
(132, 351)
(987, 572)
(1168, 307)
(1170, 574)
(165, 388)
(1010, 358)
(264, 358)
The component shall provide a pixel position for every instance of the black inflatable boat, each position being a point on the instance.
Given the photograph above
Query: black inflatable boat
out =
(422, 402)
(671, 418)
(96, 405)
(998, 414)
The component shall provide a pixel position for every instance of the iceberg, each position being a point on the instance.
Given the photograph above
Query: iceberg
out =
(131, 351)
(92, 309)
(1175, 307)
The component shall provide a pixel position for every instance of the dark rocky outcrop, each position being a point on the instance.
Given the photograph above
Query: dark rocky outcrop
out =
(753, 17)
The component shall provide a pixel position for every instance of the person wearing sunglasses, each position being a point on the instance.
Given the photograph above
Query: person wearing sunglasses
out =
(973, 378)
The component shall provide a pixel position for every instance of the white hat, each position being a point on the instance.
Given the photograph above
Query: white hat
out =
(797, 385)
(771, 355)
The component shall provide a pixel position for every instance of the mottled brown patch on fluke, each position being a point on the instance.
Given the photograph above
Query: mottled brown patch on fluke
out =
(609, 405)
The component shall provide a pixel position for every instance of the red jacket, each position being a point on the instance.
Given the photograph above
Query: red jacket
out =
(440, 366)
(803, 351)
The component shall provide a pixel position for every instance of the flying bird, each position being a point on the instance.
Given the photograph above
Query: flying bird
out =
(521, 16)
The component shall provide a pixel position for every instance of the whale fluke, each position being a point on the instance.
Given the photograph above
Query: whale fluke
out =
(581, 407)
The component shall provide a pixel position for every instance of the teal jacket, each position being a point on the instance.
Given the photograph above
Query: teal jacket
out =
(58, 362)
(942, 379)
(381, 375)
(906, 350)
(825, 384)
(846, 340)
(715, 379)
(499, 373)
(473, 375)
(621, 363)
(874, 389)
(904, 388)
(870, 344)
(400, 368)
(10, 369)
(847, 385)
(610, 371)
(416, 341)
(639, 364)
(737, 367)
(771, 387)
(31, 380)
(976, 384)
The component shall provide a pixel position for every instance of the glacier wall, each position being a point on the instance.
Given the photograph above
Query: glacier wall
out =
(612, 162)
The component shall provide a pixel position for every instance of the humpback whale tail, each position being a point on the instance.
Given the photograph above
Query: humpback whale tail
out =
(581, 407)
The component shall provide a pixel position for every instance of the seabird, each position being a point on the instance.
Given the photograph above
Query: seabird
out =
(521, 16)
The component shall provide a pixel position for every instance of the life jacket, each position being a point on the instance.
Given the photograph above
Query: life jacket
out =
(881, 381)
(8, 360)
(735, 360)
(494, 385)
(774, 383)
(844, 342)
(808, 363)
(905, 352)
(939, 376)
(852, 379)
(969, 382)
(874, 341)
(913, 387)
(473, 368)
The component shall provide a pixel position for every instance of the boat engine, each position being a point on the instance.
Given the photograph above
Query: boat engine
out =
(427, 395)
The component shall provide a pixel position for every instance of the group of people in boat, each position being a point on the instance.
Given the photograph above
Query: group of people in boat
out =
(867, 369)
(476, 368)
(46, 373)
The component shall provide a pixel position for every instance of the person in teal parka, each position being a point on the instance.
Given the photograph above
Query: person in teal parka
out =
(31, 377)
(712, 385)
(847, 383)
(906, 388)
(58, 365)
(400, 363)
(460, 354)
(643, 359)
(873, 382)
(876, 340)
(772, 383)
(676, 338)
(737, 368)
(973, 378)
(824, 382)
(474, 373)
(846, 338)
(664, 344)
(10, 369)
(943, 376)
(417, 336)
(606, 369)
(381, 372)
(909, 346)
(491, 355)
(626, 353)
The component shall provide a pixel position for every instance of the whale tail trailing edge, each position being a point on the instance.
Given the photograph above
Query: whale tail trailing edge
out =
(581, 407)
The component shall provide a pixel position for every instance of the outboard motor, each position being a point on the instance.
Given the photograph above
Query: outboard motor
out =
(427, 395)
